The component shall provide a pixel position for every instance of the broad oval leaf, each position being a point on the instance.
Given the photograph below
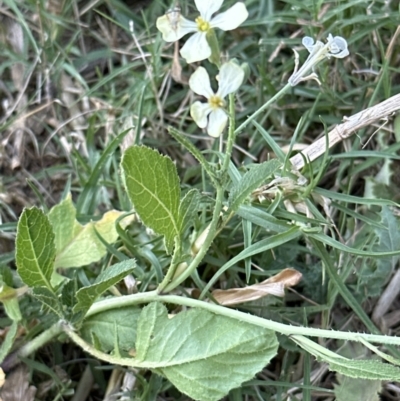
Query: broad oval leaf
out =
(152, 184)
(203, 354)
(35, 249)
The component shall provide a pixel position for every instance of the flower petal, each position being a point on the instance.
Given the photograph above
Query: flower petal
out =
(196, 48)
(199, 112)
(231, 18)
(338, 47)
(308, 43)
(199, 83)
(208, 7)
(171, 32)
(216, 122)
(230, 78)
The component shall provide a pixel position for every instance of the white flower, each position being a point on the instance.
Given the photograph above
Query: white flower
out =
(212, 114)
(173, 26)
(334, 47)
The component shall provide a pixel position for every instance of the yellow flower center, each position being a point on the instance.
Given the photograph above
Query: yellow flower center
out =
(216, 102)
(202, 25)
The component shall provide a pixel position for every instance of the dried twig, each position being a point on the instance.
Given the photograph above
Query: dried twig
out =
(350, 126)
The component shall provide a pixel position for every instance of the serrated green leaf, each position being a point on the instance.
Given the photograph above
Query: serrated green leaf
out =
(188, 208)
(78, 245)
(360, 369)
(152, 184)
(102, 327)
(49, 300)
(251, 180)
(188, 145)
(35, 250)
(357, 389)
(68, 292)
(203, 354)
(111, 276)
(8, 342)
(364, 369)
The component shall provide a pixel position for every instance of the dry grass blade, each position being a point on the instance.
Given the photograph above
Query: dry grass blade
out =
(351, 125)
(275, 285)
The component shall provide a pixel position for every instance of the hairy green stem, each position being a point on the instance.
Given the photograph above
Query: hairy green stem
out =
(204, 248)
(13, 359)
(231, 134)
(172, 268)
(281, 328)
(262, 108)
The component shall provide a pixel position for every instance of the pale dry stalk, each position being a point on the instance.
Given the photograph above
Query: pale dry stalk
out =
(349, 127)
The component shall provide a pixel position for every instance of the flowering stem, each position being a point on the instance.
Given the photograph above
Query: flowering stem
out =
(206, 244)
(231, 135)
(262, 108)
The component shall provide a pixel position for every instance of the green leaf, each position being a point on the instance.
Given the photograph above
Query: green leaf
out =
(105, 326)
(389, 238)
(344, 248)
(188, 145)
(109, 277)
(364, 369)
(35, 250)
(8, 342)
(374, 275)
(359, 369)
(262, 218)
(49, 300)
(203, 354)
(261, 246)
(87, 198)
(152, 184)
(78, 245)
(9, 298)
(188, 208)
(357, 389)
(251, 180)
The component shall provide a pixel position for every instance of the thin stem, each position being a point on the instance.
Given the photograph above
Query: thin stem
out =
(172, 268)
(262, 108)
(231, 134)
(204, 248)
(281, 328)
